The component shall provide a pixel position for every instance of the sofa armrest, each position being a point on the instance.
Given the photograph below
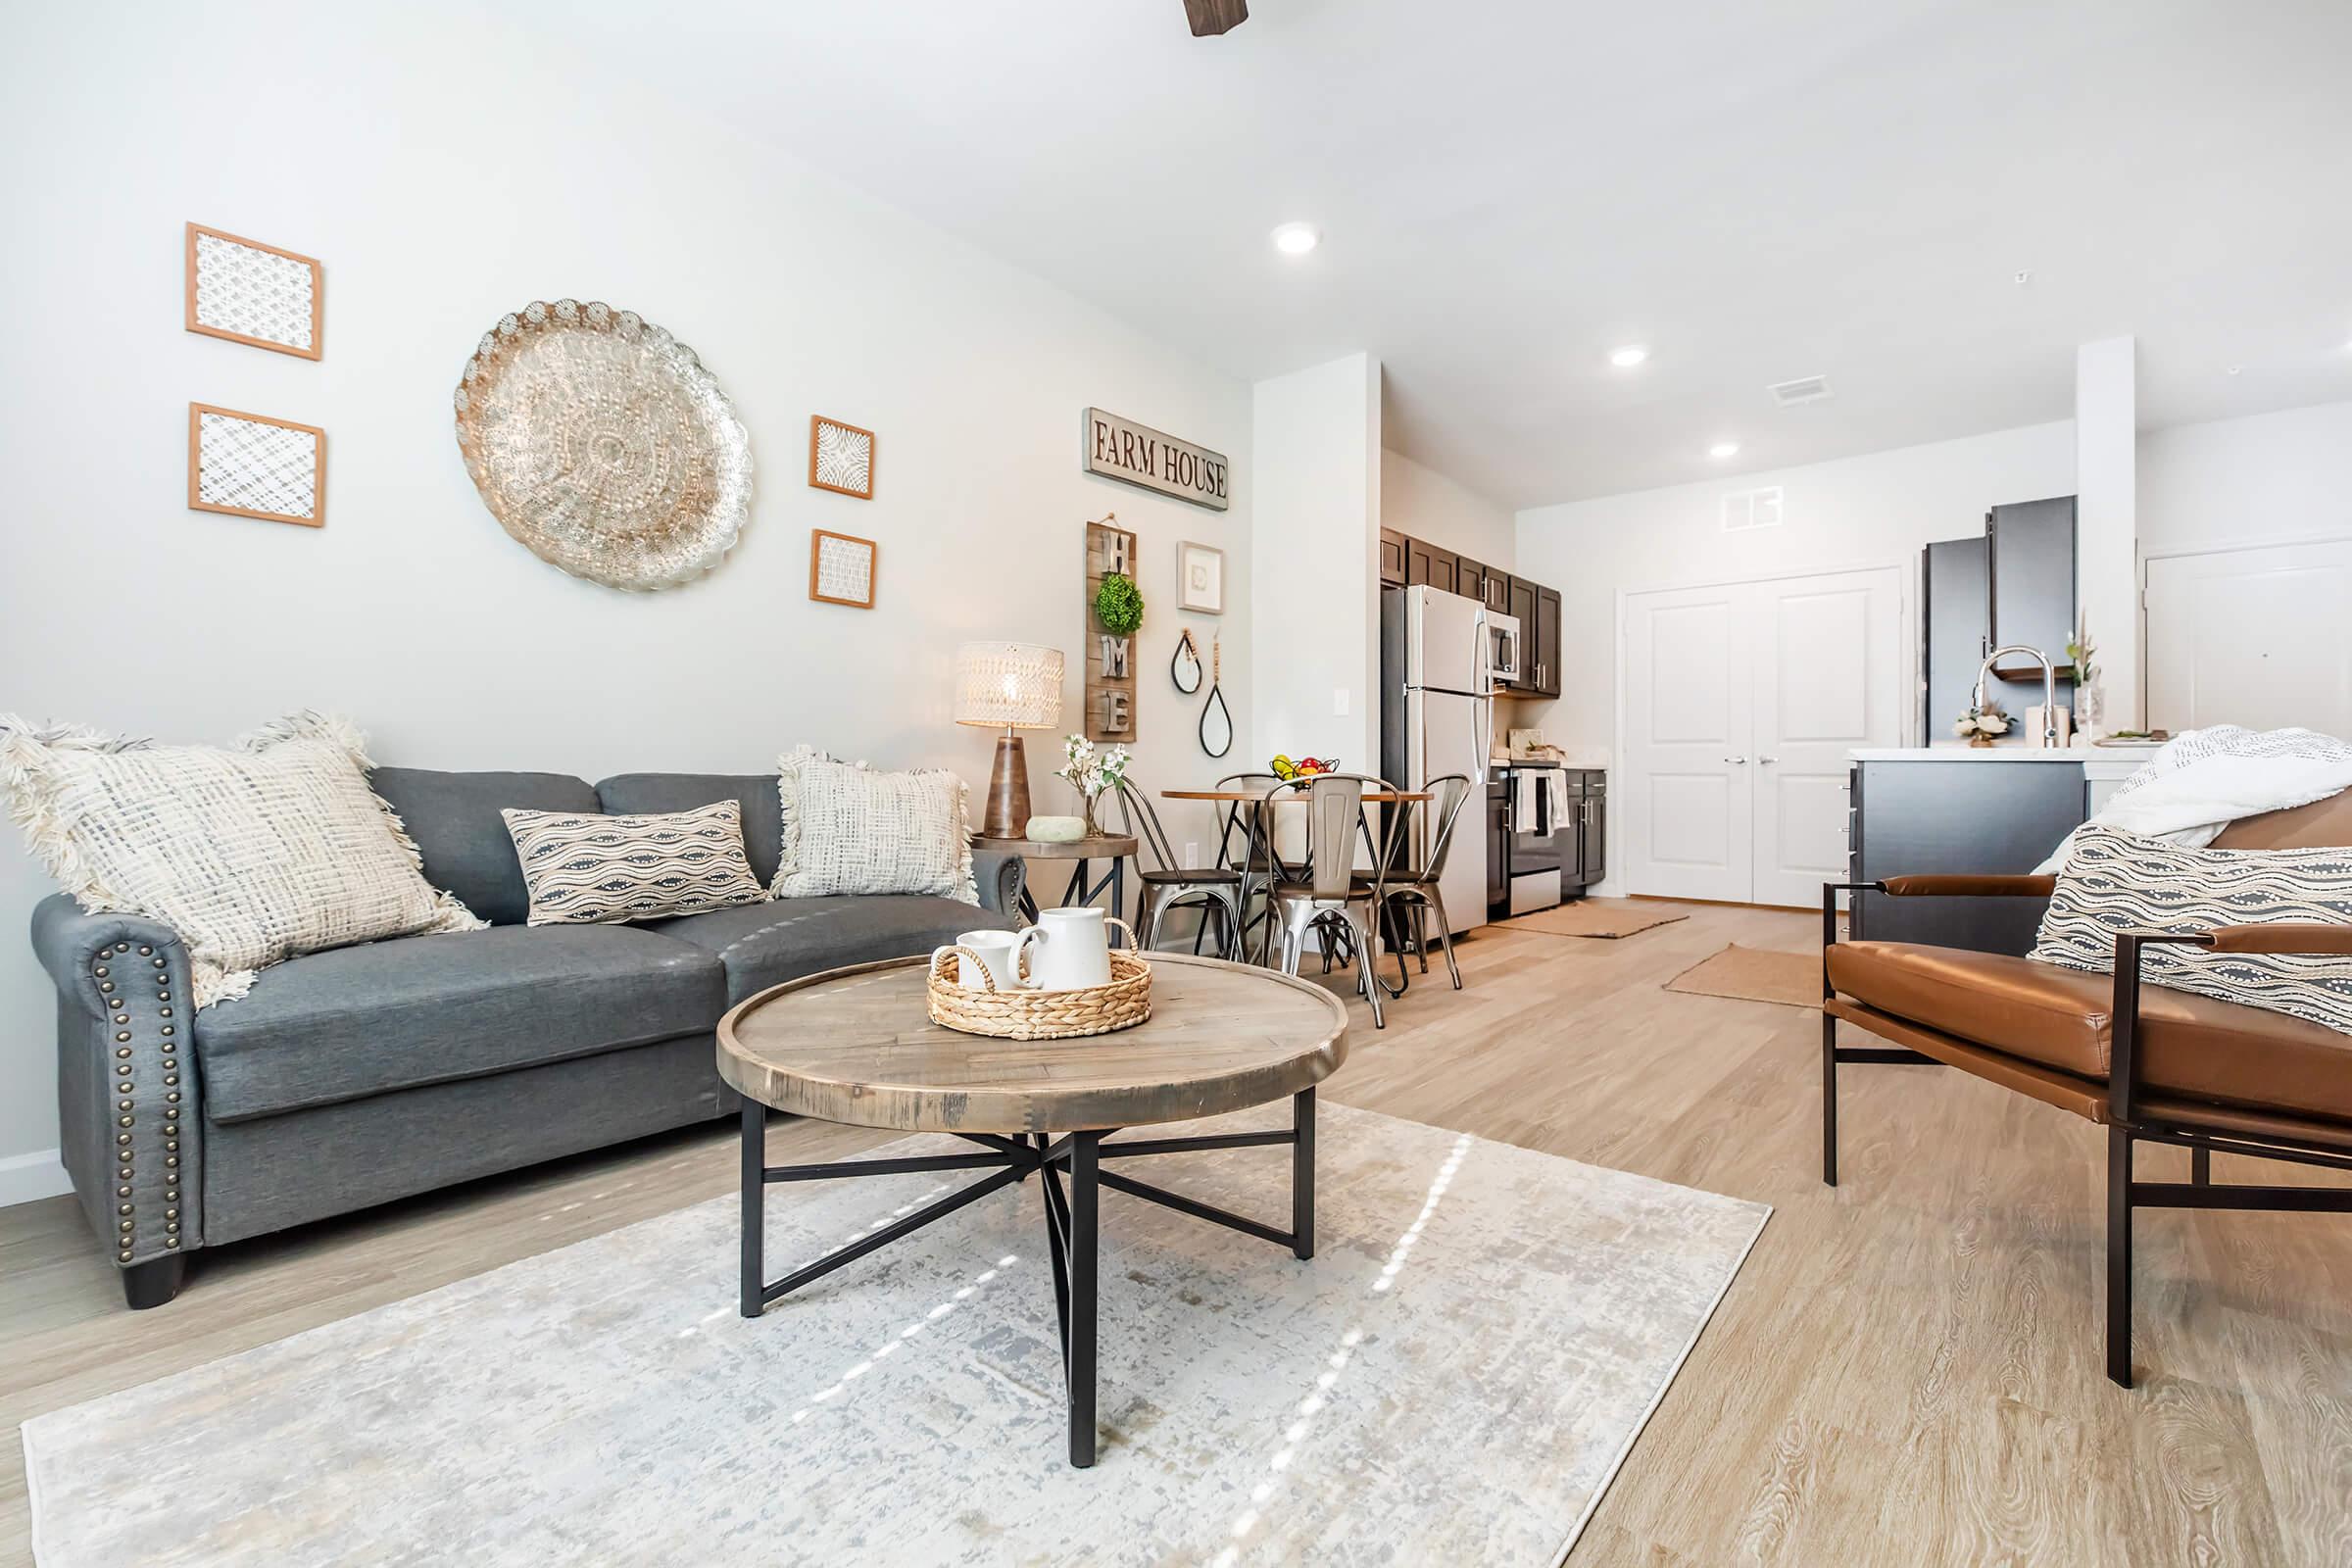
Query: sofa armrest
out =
(999, 876)
(1969, 887)
(2283, 937)
(127, 1082)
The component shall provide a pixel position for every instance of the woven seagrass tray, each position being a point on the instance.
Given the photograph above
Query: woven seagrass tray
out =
(1026, 1014)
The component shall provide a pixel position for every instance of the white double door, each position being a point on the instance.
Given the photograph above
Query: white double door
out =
(1740, 704)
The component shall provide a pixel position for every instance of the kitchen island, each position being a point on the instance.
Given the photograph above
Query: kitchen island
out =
(1935, 811)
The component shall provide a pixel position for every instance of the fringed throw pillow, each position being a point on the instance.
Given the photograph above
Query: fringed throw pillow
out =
(252, 856)
(854, 829)
(585, 868)
(2117, 881)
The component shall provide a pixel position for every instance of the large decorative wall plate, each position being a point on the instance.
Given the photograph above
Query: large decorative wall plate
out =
(601, 443)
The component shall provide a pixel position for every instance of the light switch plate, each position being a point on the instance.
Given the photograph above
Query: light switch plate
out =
(1339, 697)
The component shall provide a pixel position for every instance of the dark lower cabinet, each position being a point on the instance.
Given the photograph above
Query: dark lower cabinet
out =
(1930, 819)
(1592, 832)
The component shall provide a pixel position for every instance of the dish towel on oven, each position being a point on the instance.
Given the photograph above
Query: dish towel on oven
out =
(1527, 809)
(1555, 799)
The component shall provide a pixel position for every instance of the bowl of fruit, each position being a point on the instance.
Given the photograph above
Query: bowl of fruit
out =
(1286, 771)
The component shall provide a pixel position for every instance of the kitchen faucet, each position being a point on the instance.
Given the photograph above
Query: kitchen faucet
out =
(2050, 688)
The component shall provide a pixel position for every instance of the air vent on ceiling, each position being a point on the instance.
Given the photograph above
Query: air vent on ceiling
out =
(1752, 509)
(1804, 389)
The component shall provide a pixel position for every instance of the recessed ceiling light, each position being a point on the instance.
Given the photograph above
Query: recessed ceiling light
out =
(1296, 239)
(1724, 449)
(1626, 358)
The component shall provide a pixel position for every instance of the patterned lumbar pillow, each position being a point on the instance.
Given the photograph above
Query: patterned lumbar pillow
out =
(2117, 881)
(252, 856)
(589, 869)
(854, 829)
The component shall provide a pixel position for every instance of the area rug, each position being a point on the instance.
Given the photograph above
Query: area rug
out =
(1598, 917)
(1755, 974)
(1454, 1378)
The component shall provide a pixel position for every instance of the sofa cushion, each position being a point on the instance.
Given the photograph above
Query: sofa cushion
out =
(763, 814)
(2191, 1046)
(765, 945)
(453, 820)
(387, 1015)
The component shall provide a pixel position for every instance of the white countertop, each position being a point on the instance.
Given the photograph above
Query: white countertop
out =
(1962, 752)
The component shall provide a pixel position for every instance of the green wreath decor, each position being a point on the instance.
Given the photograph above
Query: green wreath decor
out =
(1119, 604)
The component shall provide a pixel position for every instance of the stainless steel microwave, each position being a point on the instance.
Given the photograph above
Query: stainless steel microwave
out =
(1501, 635)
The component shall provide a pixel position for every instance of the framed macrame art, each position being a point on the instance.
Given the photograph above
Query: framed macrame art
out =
(252, 465)
(257, 294)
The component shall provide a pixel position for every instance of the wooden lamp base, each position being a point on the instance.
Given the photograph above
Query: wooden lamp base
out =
(1007, 814)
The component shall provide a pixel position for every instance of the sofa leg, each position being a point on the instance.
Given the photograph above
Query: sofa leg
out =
(1829, 1099)
(2118, 1255)
(154, 1281)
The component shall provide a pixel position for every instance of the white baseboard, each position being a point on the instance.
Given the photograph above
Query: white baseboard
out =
(25, 1178)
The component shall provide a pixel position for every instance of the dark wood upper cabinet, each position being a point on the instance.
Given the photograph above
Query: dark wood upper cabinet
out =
(1426, 563)
(1521, 608)
(2029, 558)
(1545, 641)
(1391, 559)
(1470, 579)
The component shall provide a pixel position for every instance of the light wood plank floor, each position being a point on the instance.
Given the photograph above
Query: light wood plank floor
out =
(1908, 1369)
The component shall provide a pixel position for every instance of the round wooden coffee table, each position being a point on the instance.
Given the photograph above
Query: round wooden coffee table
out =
(858, 1046)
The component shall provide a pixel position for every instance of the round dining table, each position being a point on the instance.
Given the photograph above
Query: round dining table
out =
(1260, 796)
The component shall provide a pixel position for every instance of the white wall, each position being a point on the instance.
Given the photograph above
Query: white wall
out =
(2271, 478)
(2107, 520)
(1425, 503)
(1315, 437)
(1870, 510)
(447, 172)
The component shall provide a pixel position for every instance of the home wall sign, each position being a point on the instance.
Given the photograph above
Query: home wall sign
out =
(1138, 455)
(1110, 656)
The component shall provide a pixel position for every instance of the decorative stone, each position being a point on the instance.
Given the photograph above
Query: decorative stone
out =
(1055, 829)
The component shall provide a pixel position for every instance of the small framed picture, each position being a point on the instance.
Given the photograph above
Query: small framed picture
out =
(841, 568)
(252, 465)
(252, 293)
(1201, 578)
(840, 458)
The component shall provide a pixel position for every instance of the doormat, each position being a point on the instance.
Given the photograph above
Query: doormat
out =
(1754, 974)
(1596, 917)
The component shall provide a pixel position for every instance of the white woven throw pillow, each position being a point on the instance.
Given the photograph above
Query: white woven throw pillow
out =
(585, 868)
(788, 807)
(2117, 881)
(859, 830)
(251, 856)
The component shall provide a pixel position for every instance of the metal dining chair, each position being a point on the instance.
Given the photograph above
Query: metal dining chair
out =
(1169, 885)
(1246, 844)
(1326, 889)
(1410, 890)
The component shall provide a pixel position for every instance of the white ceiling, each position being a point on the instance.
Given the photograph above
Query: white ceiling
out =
(1508, 190)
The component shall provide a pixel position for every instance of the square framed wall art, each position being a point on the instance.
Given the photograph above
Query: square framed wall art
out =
(249, 292)
(251, 465)
(840, 458)
(841, 568)
(1201, 578)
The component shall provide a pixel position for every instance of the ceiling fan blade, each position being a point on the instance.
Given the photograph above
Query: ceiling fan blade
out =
(1210, 18)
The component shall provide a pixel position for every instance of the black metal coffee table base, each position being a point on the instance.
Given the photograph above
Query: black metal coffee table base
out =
(1070, 1216)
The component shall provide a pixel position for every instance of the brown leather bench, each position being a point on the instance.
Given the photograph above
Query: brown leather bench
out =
(2149, 1063)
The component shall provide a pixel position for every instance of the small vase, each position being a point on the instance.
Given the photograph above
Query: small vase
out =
(2090, 709)
(1093, 807)
(1980, 739)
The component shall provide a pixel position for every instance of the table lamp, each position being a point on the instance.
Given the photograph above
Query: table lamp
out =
(1018, 686)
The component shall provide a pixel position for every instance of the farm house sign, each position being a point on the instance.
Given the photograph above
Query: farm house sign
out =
(1121, 449)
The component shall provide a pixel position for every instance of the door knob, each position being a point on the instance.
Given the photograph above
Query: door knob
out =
(1736, 760)
(1768, 761)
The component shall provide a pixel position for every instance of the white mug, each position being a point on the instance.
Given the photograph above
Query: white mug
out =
(1073, 948)
(1000, 954)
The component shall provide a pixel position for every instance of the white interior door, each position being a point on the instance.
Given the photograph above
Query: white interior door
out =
(1829, 678)
(1688, 775)
(1741, 704)
(2252, 637)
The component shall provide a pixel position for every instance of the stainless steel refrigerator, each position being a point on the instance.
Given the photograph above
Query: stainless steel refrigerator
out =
(1441, 658)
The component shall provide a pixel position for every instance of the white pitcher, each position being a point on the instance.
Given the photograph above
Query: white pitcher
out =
(1071, 948)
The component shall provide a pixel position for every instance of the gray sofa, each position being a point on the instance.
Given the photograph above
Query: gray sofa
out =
(362, 1074)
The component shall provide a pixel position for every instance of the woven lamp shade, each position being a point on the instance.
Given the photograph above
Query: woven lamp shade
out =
(1016, 684)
